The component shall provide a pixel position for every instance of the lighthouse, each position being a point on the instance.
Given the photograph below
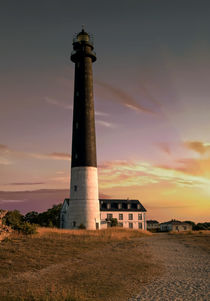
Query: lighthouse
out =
(83, 208)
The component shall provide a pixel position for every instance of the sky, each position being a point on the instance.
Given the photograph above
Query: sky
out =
(151, 93)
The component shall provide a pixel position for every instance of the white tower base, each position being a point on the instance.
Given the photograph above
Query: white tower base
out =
(84, 203)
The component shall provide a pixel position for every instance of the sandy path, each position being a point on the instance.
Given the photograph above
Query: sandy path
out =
(186, 272)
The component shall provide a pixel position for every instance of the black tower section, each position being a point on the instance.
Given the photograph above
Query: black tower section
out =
(83, 137)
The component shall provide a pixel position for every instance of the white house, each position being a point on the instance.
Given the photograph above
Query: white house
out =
(153, 225)
(129, 213)
(64, 214)
(175, 225)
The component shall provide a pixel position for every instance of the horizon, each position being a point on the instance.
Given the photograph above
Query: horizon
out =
(151, 94)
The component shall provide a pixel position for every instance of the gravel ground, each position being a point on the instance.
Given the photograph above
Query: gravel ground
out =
(186, 272)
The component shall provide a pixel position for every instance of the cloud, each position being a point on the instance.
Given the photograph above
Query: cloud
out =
(164, 147)
(52, 156)
(98, 113)
(14, 153)
(59, 156)
(4, 161)
(105, 123)
(137, 173)
(198, 146)
(3, 148)
(26, 183)
(124, 98)
(4, 151)
(11, 201)
(35, 200)
(57, 103)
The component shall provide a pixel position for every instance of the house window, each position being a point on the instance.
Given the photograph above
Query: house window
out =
(75, 187)
(140, 216)
(130, 216)
(104, 206)
(109, 216)
(121, 216)
(120, 224)
(185, 228)
(74, 224)
(134, 206)
(124, 206)
(140, 225)
(131, 225)
(114, 205)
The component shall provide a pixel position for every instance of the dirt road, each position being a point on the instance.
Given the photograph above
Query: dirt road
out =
(186, 275)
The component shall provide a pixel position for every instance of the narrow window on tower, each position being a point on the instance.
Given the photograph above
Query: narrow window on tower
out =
(75, 187)
(77, 93)
(77, 125)
(76, 156)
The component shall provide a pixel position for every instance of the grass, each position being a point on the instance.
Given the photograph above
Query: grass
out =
(196, 239)
(75, 265)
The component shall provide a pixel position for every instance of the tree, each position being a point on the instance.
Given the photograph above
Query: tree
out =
(13, 219)
(49, 218)
(191, 223)
(31, 217)
(113, 222)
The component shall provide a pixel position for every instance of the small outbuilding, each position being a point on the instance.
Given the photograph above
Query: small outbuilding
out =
(176, 226)
(153, 225)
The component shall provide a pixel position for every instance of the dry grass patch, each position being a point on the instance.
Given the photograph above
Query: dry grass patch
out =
(75, 265)
(195, 239)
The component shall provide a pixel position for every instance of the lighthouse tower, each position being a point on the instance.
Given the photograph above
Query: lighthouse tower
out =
(83, 207)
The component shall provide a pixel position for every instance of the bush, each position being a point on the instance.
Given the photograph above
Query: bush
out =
(81, 226)
(32, 217)
(49, 218)
(13, 219)
(27, 228)
(113, 222)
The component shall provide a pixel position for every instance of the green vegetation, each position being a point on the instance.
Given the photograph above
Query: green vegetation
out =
(13, 219)
(27, 224)
(16, 221)
(49, 218)
(113, 222)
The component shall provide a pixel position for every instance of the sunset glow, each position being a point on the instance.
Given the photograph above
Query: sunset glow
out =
(151, 86)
